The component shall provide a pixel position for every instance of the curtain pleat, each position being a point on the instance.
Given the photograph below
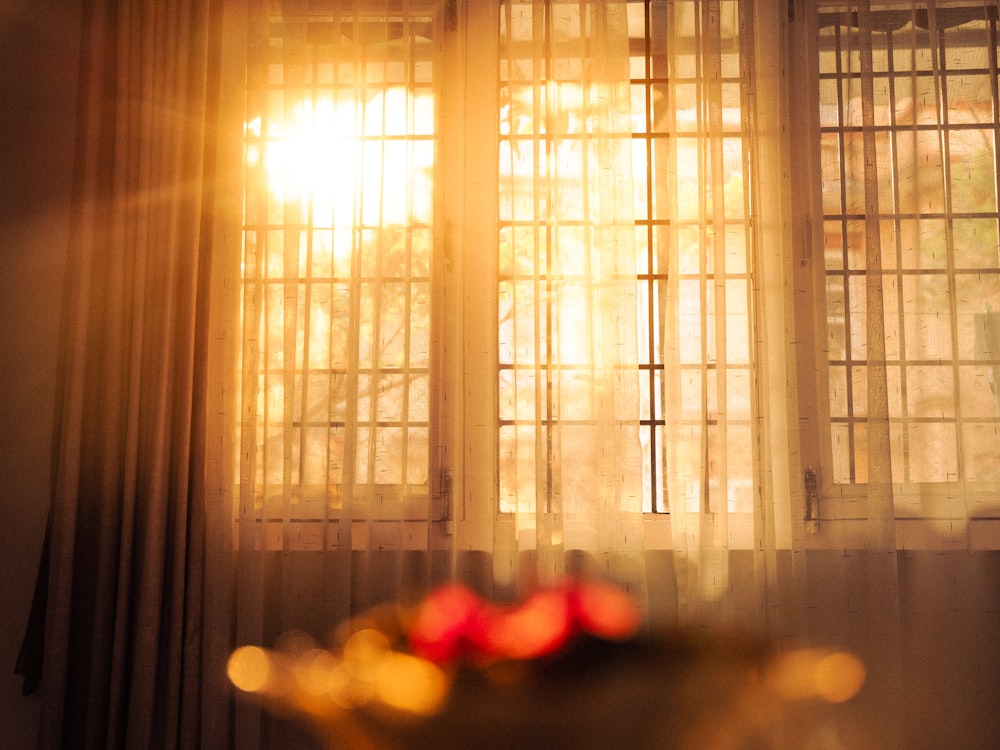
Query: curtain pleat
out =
(122, 640)
(570, 463)
(334, 476)
(895, 188)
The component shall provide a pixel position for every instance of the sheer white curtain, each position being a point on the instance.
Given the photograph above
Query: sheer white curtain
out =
(723, 348)
(356, 461)
(616, 287)
(570, 472)
(454, 257)
(333, 403)
(908, 159)
(121, 644)
(330, 329)
(347, 284)
(722, 313)
(905, 106)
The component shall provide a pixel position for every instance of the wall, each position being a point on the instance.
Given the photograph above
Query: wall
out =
(39, 41)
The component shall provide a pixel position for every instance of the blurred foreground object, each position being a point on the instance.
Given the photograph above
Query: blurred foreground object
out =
(565, 668)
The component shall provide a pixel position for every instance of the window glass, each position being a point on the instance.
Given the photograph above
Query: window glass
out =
(934, 105)
(338, 243)
(692, 248)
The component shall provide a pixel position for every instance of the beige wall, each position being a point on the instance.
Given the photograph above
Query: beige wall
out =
(38, 65)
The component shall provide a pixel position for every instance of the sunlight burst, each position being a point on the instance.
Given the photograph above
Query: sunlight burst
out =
(345, 163)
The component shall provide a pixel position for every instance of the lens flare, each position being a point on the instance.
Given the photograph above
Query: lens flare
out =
(410, 684)
(249, 669)
(803, 674)
(839, 677)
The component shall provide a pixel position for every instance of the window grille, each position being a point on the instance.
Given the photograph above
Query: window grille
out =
(935, 105)
(692, 242)
(338, 245)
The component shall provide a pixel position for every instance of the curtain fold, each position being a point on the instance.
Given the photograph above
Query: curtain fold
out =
(731, 469)
(903, 158)
(344, 478)
(123, 632)
(592, 232)
(570, 471)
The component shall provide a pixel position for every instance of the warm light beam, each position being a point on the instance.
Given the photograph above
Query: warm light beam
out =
(350, 163)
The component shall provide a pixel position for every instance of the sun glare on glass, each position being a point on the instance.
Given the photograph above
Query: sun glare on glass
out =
(347, 162)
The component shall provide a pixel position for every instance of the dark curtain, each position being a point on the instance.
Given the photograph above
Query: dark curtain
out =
(118, 643)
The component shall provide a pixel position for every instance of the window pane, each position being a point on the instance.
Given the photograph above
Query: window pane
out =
(339, 157)
(691, 238)
(934, 105)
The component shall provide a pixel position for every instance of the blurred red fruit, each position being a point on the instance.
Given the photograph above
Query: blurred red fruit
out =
(539, 626)
(440, 632)
(605, 611)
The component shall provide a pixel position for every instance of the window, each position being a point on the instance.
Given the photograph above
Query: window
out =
(692, 241)
(338, 234)
(380, 244)
(422, 237)
(567, 370)
(934, 106)
(694, 253)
